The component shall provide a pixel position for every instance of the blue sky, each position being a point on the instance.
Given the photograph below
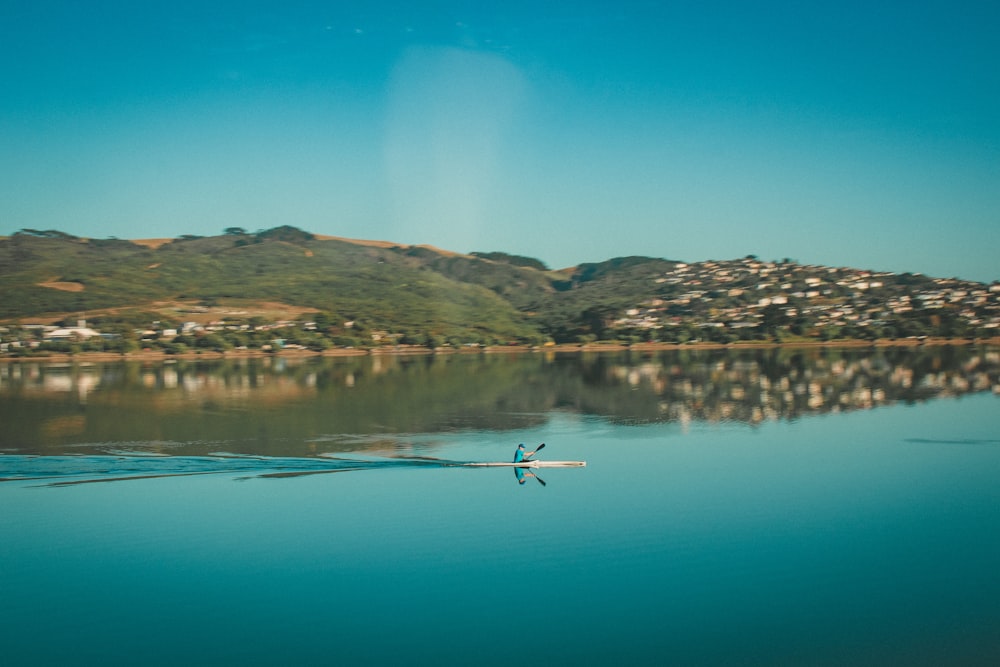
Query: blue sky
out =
(862, 134)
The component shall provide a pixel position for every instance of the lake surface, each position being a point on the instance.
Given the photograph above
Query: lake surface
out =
(755, 507)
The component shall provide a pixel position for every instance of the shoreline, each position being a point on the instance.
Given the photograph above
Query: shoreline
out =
(565, 348)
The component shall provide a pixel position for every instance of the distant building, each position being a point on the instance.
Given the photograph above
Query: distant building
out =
(71, 333)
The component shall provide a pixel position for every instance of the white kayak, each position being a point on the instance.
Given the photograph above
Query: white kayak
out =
(528, 464)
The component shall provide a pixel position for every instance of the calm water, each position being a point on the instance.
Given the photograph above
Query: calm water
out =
(835, 507)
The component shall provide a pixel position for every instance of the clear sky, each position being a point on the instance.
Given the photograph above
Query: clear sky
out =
(861, 134)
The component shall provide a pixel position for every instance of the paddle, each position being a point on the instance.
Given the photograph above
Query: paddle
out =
(538, 449)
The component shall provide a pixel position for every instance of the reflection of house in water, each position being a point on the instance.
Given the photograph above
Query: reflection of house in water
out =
(764, 386)
(80, 381)
(749, 386)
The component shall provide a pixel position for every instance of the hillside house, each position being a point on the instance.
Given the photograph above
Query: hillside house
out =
(80, 332)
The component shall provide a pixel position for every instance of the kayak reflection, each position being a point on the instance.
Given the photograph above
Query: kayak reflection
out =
(521, 476)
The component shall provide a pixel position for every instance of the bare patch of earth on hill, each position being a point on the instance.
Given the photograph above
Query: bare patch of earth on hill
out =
(196, 311)
(63, 285)
(185, 310)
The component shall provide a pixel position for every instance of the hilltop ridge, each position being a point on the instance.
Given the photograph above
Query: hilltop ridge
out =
(333, 291)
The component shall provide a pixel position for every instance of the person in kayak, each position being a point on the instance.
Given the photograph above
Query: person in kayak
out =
(520, 454)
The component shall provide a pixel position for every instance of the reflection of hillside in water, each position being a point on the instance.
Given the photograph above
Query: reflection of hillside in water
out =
(787, 384)
(272, 406)
(280, 406)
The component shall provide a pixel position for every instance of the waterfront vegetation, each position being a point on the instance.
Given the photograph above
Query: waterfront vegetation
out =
(285, 288)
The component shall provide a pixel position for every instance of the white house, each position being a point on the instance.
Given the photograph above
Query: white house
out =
(72, 333)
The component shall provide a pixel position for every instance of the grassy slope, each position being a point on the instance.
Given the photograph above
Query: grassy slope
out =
(390, 288)
(414, 289)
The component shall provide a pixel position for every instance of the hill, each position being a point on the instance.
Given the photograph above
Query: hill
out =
(370, 292)
(400, 289)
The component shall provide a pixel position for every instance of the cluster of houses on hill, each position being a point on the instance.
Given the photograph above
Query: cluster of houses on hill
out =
(32, 335)
(744, 299)
(749, 294)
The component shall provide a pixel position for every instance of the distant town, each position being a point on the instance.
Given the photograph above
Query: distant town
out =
(732, 302)
(753, 296)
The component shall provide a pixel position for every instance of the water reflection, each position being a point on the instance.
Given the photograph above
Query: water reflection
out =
(304, 407)
(521, 475)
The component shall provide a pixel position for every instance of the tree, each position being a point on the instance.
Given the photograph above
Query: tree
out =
(773, 317)
(212, 341)
(594, 321)
(325, 321)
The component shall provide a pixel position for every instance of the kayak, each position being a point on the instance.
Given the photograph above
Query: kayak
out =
(528, 464)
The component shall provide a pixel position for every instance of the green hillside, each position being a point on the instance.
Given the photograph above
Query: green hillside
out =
(398, 289)
(357, 293)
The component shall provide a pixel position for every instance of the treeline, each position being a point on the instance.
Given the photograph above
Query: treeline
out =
(315, 332)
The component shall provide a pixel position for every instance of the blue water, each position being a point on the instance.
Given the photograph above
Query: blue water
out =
(862, 538)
